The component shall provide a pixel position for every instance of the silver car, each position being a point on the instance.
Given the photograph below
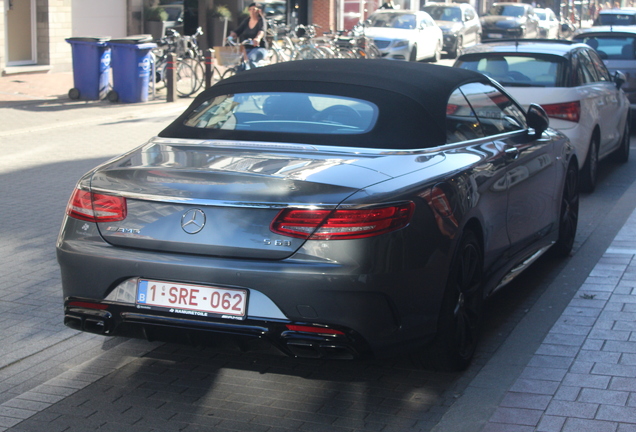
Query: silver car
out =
(405, 35)
(324, 209)
(459, 23)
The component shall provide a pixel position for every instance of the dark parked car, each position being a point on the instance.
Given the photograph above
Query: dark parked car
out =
(510, 20)
(459, 23)
(324, 208)
(616, 46)
(615, 17)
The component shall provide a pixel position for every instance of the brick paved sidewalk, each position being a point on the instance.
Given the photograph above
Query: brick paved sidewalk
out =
(35, 86)
(583, 376)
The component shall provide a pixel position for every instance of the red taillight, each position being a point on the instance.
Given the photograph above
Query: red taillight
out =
(570, 111)
(310, 329)
(88, 305)
(341, 224)
(94, 207)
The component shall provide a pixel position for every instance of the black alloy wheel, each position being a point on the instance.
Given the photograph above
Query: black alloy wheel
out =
(569, 215)
(462, 307)
(590, 168)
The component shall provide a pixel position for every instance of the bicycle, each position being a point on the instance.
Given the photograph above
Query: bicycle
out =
(190, 70)
(236, 58)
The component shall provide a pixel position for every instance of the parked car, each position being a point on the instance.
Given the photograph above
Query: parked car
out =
(510, 20)
(625, 16)
(322, 208)
(570, 81)
(459, 23)
(615, 45)
(275, 10)
(405, 35)
(549, 25)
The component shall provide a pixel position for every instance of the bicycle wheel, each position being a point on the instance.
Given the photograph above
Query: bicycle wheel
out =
(307, 53)
(199, 71)
(372, 51)
(186, 79)
(160, 73)
(272, 56)
(325, 51)
(231, 71)
(216, 75)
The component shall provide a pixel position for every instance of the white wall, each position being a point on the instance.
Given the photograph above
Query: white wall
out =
(99, 18)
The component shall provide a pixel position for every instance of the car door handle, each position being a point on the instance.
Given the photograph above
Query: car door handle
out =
(511, 153)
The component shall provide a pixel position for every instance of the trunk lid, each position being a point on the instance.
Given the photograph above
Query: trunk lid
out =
(195, 197)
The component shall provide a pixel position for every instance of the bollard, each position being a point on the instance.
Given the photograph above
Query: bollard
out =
(209, 67)
(171, 78)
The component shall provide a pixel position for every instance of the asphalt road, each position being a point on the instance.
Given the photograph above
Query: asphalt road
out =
(124, 385)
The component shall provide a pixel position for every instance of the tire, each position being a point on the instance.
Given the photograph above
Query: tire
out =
(272, 56)
(231, 71)
(437, 55)
(186, 79)
(569, 213)
(459, 47)
(589, 173)
(459, 323)
(622, 153)
(199, 71)
(74, 93)
(112, 96)
(372, 51)
(413, 54)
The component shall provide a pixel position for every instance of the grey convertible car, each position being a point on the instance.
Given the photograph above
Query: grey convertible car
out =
(330, 208)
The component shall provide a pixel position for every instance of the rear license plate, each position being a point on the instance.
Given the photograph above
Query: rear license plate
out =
(193, 299)
(495, 35)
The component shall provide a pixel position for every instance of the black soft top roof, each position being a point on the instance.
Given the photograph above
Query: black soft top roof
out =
(411, 98)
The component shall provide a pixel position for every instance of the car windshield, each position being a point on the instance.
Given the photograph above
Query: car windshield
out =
(612, 47)
(542, 16)
(443, 13)
(392, 20)
(285, 113)
(616, 19)
(507, 10)
(273, 10)
(518, 70)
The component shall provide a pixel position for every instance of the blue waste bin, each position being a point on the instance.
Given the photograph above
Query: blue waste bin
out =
(132, 67)
(91, 67)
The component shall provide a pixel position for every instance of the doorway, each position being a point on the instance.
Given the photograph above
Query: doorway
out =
(20, 24)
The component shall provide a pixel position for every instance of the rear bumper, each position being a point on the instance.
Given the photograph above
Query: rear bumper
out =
(382, 311)
(110, 319)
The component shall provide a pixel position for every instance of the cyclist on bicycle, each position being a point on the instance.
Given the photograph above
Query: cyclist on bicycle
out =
(252, 30)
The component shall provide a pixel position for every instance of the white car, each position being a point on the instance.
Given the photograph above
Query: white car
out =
(570, 81)
(548, 23)
(405, 35)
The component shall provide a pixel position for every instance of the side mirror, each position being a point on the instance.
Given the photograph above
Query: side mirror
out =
(619, 79)
(537, 119)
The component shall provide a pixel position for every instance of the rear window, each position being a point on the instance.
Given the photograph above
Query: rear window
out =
(507, 10)
(516, 70)
(611, 47)
(444, 13)
(285, 113)
(616, 19)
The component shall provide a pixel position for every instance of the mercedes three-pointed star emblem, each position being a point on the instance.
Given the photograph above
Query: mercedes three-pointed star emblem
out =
(193, 221)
